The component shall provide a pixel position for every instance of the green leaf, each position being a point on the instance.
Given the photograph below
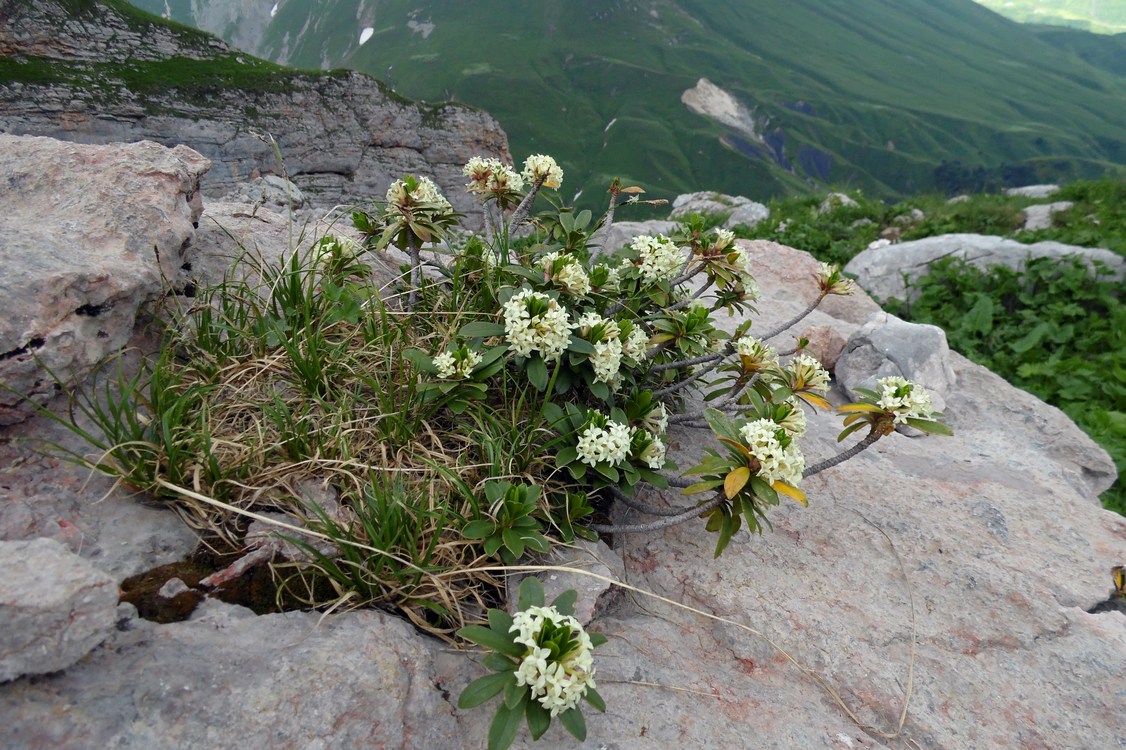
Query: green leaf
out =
(600, 390)
(492, 544)
(573, 721)
(565, 602)
(592, 697)
(499, 662)
(596, 639)
(581, 346)
(763, 491)
(479, 529)
(484, 688)
(928, 425)
(536, 369)
(421, 361)
(850, 429)
(482, 636)
(539, 718)
(514, 695)
(699, 487)
(502, 731)
(513, 541)
(481, 329)
(530, 593)
(566, 456)
(500, 621)
(553, 413)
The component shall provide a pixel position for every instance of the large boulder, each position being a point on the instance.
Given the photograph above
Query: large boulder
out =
(80, 257)
(885, 270)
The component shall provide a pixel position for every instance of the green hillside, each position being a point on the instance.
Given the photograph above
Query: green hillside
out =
(1100, 16)
(888, 97)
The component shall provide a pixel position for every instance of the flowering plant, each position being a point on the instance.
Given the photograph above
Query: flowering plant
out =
(543, 666)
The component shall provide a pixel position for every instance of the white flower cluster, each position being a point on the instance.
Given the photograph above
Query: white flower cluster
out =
(723, 239)
(607, 357)
(491, 176)
(654, 453)
(559, 684)
(571, 276)
(905, 399)
(398, 197)
(660, 258)
(775, 461)
(637, 343)
(613, 274)
(831, 282)
(750, 286)
(454, 365)
(610, 444)
(539, 166)
(548, 332)
(657, 420)
(759, 355)
(794, 422)
(807, 374)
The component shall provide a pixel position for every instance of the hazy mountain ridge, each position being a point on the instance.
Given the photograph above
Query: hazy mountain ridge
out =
(889, 97)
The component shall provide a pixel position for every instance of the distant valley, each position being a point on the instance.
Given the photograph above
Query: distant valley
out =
(754, 98)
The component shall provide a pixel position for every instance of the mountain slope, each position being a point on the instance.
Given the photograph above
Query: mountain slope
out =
(888, 96)
(1100, 16)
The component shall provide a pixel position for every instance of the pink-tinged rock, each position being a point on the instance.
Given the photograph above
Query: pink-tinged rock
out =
(54, 608)
(81, 256)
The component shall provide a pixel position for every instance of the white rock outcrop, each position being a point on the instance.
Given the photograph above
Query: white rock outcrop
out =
(882, 271)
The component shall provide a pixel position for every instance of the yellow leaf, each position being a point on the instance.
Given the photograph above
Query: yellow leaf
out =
(790, 491)
(632, 190)
(736, 481)
(859, 408)
(813, 399)
(737, 446)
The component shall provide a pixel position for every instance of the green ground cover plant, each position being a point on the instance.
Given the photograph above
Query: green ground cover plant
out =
(1051, 329)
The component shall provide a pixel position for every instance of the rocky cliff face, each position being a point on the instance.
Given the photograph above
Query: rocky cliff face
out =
(100, 72)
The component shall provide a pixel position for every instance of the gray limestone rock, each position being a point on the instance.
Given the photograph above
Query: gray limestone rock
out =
(707, 203)
(343, 136)
(1041, 215)
(748, 215)
(1033, 191)
(54, 607)
(881, 270)
(833, 201)
(888, 346)
(81, 257)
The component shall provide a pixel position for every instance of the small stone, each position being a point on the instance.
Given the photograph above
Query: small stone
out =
(54, 607)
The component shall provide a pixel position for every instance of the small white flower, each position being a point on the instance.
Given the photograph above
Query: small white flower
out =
(637, 343)
(656, 421)
(775, 462)
(654, 453)
(446, 365)
(659, 258)
(907, 400)
(547, 332)
(491, 176)
(540, 166)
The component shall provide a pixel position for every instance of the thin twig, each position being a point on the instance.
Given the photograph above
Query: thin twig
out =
(684, 302)
(794, 320)
(664, 523)
(828, 463)
(650, 510)
(682, 363)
